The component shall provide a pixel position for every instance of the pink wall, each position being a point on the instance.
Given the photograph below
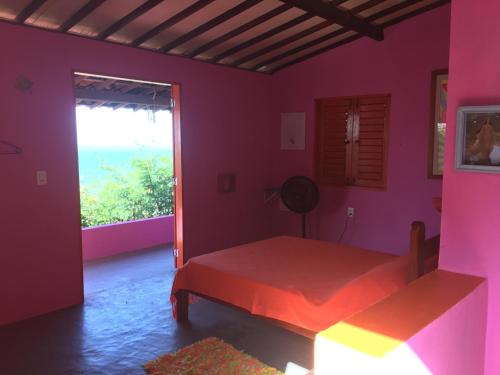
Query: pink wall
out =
(401, 66)
(226, 114)
(454, 343)
(113, 239)
(471, 201)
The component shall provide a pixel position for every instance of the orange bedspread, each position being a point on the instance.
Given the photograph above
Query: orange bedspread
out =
(308, 283)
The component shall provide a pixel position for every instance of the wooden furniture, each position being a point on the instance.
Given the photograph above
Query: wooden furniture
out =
(182, 314)
(352, 141)
(424, 252)
(391, 273)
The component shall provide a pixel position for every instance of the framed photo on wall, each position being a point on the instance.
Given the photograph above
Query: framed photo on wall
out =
(478, 139)
(439, 106)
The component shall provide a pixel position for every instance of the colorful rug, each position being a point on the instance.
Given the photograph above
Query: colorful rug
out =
(208, 356)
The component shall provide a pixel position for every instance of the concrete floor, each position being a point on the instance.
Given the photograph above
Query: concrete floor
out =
(127, 320)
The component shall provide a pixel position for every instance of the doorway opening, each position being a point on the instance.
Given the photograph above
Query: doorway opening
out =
(128, 135)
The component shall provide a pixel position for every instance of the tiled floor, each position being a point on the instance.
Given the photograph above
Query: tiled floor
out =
(127, 320)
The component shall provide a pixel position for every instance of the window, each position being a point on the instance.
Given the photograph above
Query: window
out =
(351, 141)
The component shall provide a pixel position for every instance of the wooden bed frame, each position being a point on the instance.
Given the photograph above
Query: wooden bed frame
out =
(182, 306)
(420, 251)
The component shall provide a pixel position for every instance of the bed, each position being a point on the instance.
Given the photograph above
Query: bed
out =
(304, 285)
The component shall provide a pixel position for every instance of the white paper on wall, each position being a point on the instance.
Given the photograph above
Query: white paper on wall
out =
(293, 131)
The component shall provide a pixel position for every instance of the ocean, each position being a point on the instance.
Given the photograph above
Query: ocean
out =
(91, 159)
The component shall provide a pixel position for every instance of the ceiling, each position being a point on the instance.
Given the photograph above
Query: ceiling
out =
(258, 35)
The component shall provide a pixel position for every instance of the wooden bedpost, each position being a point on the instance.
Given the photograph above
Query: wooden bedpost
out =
(182, 306)
(424, 253)
(417, 238)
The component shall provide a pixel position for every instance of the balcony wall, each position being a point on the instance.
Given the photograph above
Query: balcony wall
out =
(114, 239)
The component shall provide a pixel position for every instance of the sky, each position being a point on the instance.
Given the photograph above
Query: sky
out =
(122, 129)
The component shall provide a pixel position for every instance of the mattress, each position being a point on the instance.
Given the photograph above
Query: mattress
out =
(307, 283)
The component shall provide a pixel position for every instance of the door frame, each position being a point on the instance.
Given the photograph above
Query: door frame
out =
(178, 186)
(178, 178)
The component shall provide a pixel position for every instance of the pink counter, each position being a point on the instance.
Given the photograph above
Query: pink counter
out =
(113, 239)
(436, 325)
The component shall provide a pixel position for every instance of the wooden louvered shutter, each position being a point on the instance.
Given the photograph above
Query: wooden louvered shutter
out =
(370, 130)
(351, 141)
(333, 118)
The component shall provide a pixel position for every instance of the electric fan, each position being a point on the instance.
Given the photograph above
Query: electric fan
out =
(300, 195)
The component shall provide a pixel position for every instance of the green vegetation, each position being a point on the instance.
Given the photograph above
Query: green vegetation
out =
(142, 189)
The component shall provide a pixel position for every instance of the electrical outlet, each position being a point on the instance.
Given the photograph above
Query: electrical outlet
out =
(350, 212)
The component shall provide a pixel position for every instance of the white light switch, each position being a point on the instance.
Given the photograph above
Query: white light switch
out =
(41, 177)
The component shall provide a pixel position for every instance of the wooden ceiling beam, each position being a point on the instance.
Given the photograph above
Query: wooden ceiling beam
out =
(119, 105)
(342, 17)
(393, 9)
(171, 21)
(321, 50)
(105, 84)
(121, 23)
(91, 5)
(378, 15)
(240, 8)
(28, 10)
(80, 14)
(415, 13)
(300, 48)
(302, 34)
(260, 38)
(282, 43)
(362, 7)
(247, 26)
(98, 104)
(338, 2)
(96, 95)
(130, 87)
